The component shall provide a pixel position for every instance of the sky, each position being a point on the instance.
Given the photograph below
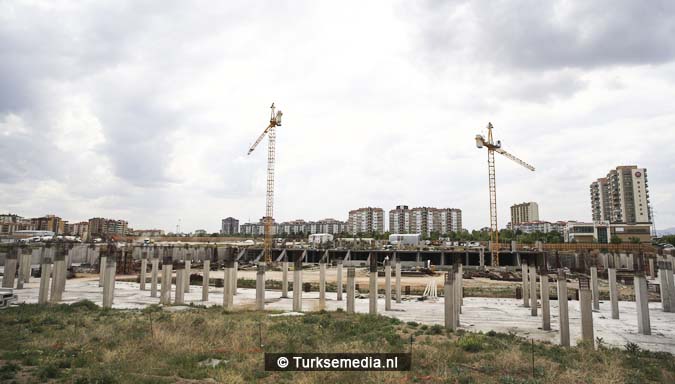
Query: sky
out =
(145, 110)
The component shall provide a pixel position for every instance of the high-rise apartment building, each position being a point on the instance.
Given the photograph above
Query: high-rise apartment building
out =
(622, 197)
(229, 226)
(399, 219)
(524, 212)
(99, 226)
(50, 223)
(10, 223)
(425, 220)
(366, 220)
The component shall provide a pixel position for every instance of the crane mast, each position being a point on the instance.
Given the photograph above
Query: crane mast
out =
(268, 220)
(493, 147)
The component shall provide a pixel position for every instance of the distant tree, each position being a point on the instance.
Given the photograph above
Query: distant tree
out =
(669, 239)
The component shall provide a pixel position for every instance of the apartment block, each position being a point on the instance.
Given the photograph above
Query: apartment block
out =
(399, 219)
(538, 226)
(10, 223)
(366, 220)
(622, 197)
(99, 226)
(229, 226)
(424, 220)
(524, 212)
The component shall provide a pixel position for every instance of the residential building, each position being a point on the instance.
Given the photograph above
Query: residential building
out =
(99, 227)
(399, 219)
(524, 212)
(229, 226)
(148, 232)
(366, 220)
(604, 232)
(50, 223)
(258, 229)
(80, 229)
(538, 226)
(450, 220)
(626, 199)
(424, 220)
(299, 226)
(10, 223)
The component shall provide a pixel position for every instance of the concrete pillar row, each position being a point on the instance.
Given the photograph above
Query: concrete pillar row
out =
(109, 282)
(563, 311)
(205, 279)
(449, 301)
(351, 276)
(586, 306)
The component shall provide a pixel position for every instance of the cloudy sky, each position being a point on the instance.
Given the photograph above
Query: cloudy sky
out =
(144, 110)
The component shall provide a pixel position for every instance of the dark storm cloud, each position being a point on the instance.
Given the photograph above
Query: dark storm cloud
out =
(545, 35)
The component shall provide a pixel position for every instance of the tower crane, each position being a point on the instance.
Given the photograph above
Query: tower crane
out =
(493, 147)
(275, 121)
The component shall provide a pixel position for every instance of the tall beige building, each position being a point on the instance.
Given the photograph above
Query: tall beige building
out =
(622, 197)
(366, 220)
(524, 213)
(425, 220)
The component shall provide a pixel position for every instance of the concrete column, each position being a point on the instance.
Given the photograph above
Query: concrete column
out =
(167, 269)
(351, 275)
(642, 303)
(586, 306)
(228, 298)
(533, 290)
(339, 280)
(101, 269)
(595, 290)
(260, 289)
(43, 293)
(449, 301)
(180, 282)
(563, 312)
(235, 269)
(144, 270)
(526, 287)
(153, 277)
(372, 288)
(284, 279)
(387, 285)
(398, 282)
(652, 270)
(205, 280)
(297, 285)
(458, 301)
(322, 286)
(613, 292)
(481, 258)
(109, 283)
(58, 274)
(27, 263)
(188, 272)
(545, 305)
(670, 284)
(11, 262)
(461, 287)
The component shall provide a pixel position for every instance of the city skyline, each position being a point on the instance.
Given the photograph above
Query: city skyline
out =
(104, 114)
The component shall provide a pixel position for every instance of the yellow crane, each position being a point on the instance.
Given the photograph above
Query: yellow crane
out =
(493, 147)
(275, 121)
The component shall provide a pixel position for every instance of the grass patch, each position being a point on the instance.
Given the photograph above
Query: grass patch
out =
(83, 343)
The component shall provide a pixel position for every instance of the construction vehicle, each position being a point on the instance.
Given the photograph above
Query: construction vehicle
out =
(270, 131)
(493, 147)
